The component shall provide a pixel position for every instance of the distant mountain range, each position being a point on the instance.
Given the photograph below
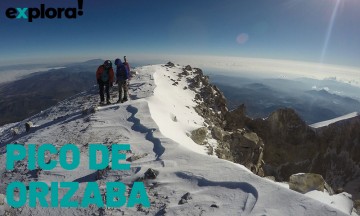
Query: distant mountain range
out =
(29, 95)
(312, 103)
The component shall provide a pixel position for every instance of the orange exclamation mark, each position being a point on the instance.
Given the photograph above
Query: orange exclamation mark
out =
(80, 4)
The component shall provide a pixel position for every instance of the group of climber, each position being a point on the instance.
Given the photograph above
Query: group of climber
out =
(105, 79)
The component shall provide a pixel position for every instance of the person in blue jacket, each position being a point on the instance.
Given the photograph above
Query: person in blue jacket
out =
(122, 79)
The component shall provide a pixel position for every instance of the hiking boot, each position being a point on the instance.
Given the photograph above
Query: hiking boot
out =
(108, 102)
(101, 103)
(118, 101)
(124, 99)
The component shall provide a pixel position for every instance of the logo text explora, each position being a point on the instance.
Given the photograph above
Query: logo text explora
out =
(43, 12)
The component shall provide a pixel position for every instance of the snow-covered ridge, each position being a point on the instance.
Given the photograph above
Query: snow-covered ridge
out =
(155, 122)
(331, 121)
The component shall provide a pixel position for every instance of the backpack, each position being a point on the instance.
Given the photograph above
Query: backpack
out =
(105, 75)
(121, 72)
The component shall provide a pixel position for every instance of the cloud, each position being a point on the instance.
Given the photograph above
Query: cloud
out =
(271, 67)
(267, 68)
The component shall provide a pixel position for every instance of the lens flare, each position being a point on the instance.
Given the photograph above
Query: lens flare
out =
(242, 38)
(329, 30)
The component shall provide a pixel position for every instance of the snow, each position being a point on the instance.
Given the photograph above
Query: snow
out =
(331, 121)
(147, 122)
(170, 101)
(340, 201)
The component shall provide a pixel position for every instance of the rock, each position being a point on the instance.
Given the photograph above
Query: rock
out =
(289, 144)
(241, 147)
(151, 174)
(199, 135)
(272, 178)
(223, 151)
(133, 73)
(210, 150)
(185, 198)
(205, 80)
(286, 120)
(94, 109)
(217, 133)
(357, 205)
(305, 182)
(339, 190)
(214, 206)
(170, 64)
(90, 110)
(2, 199)
(236, 118)
(15, 131)
(247, 149)
(198, 71)
(329, 189)
(197, 97)
(102, 174)
(242, 138)
(188, 68)
(28, 126)
(185, 72)
(195, 82)
(136, 157)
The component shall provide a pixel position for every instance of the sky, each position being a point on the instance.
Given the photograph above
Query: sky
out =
(323, 31)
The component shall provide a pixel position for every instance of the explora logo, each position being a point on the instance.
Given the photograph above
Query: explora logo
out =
(45, 13)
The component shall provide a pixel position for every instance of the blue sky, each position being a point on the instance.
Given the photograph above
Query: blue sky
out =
(278, 29)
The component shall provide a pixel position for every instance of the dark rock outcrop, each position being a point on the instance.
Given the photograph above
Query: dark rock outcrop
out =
(236, 118)
(188, 68)
(28, 126)
(170, 64)
(235, 143)
(293, 147)
(151, 174)
(184, 199)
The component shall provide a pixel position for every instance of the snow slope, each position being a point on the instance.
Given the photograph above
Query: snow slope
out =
(155, 122)
(331, 121)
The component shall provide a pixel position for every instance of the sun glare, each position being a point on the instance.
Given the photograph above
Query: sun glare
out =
(330, 28)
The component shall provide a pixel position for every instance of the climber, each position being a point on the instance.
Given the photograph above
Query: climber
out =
(122, 79)
(105, 78)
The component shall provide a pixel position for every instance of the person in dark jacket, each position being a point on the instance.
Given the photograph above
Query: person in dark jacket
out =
(105, 78)
(126, 63)
(122, 79)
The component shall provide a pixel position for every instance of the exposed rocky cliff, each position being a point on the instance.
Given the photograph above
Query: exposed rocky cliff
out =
(235, 142)
(293, 147)
(282, 144)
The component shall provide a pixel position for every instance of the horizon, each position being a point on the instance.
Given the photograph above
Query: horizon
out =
(322, 31)
(238, 66)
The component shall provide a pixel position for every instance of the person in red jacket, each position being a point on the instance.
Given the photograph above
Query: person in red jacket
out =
(105, 78)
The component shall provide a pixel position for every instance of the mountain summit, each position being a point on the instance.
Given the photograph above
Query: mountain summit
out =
(159, 121)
